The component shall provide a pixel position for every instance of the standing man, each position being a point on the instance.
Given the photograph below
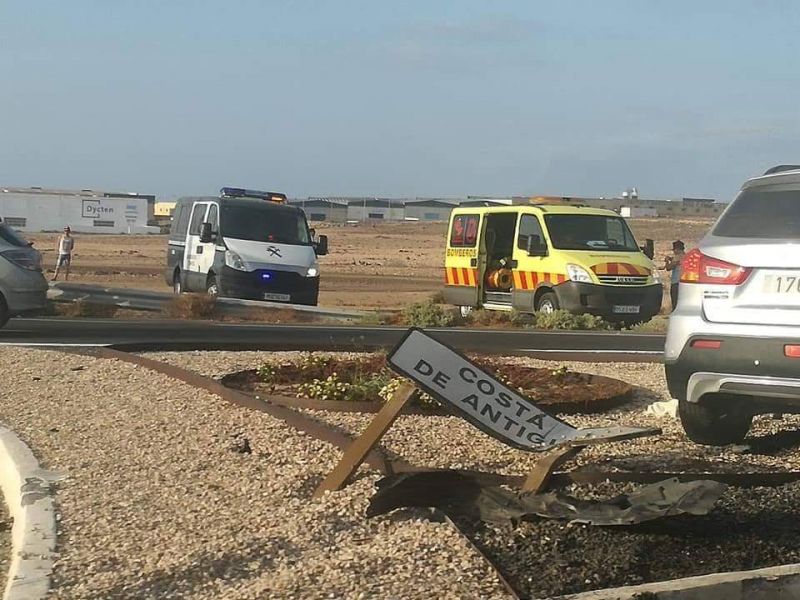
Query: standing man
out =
(66, 243)
(673, 264)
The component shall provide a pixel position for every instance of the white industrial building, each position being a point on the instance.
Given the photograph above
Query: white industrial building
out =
(86, 211)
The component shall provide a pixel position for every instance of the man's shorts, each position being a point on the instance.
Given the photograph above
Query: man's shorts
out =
(63, 259)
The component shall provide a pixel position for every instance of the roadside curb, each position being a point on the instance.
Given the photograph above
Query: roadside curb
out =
(26, 488)
(759, 584)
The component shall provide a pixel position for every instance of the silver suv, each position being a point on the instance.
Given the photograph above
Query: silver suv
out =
(733, 342)
(23, 288)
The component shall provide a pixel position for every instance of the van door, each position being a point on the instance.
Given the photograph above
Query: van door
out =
(194, 259)
(464, 261)
(528, 269)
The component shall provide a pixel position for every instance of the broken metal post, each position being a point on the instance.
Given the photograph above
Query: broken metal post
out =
(539, 477)
(355, 454)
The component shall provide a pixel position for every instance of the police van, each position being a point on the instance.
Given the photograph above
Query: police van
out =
(244, 244)
(544, 257)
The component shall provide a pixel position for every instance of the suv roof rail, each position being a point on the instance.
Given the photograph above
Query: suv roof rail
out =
(780, 168)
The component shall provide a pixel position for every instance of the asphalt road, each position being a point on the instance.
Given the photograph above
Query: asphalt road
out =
(140, 335)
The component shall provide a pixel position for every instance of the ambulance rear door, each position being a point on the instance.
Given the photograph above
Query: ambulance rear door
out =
(464, 262)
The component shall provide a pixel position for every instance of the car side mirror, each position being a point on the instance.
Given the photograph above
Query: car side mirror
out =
(321, 246)
(535, 247)
(206, 235)
(648, 249)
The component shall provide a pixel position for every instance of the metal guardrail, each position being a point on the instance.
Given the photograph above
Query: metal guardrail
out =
(156, 301)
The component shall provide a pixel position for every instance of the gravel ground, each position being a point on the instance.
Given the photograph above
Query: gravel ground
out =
(159, 504)
(5, 543)
(451, 442)
(748, 529)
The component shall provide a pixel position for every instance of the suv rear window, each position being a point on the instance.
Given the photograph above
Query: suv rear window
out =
(762, 214)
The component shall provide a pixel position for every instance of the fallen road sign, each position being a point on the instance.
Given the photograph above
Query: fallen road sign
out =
(489, 404)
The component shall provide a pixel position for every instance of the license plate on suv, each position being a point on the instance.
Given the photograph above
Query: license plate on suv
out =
(277, 297)
(624, 309)
(782, 284)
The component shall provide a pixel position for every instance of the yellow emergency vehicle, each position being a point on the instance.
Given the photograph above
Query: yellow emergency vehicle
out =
(542, 257)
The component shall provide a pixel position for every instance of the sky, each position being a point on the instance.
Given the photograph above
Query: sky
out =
(414, 98)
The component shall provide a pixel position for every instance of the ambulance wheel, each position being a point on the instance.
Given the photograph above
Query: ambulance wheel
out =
(465, 311)
(212, 287)
(548, 303)
(177, 288)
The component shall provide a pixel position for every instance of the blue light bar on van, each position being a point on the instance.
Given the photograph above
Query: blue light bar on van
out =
(232, 192)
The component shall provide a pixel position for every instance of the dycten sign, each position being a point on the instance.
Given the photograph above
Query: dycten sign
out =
(477, 396)
(91, 209)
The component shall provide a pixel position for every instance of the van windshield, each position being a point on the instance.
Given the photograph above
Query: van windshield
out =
(259, 223)
(590, 232)
(12, 237)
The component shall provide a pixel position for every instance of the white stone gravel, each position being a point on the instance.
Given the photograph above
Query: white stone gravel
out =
(157, 505)
(451, 442)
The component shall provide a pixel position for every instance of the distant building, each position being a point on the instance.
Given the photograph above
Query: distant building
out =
(323, 209)
(375, 209)
(429, 209)
(85, 211)
(637, 212)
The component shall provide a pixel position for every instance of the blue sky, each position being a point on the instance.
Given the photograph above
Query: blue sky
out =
(174, 97)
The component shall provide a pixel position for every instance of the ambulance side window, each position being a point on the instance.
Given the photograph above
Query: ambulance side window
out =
(464, 232)
(529, 226)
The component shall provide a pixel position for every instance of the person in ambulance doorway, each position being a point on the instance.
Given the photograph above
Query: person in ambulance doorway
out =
(64, 248)
(673, 264)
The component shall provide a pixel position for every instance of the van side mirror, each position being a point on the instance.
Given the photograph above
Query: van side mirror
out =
(535, 247)
(206, 235)
(648, 249)
(321, 247)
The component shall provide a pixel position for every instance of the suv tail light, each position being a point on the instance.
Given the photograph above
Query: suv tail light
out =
(699, 268)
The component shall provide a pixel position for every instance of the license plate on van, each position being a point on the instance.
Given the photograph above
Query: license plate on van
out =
(277, 297)
(623, 309)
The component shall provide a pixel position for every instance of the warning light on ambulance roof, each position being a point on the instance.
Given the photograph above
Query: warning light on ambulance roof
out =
(232, 192)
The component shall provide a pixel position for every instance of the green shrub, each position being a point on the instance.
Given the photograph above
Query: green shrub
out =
(429, 314)
(657, 324)
(562, 319)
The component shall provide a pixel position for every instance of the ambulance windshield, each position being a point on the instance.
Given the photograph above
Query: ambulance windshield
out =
(590, 232)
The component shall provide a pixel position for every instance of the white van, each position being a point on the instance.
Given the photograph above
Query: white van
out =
(244, 244)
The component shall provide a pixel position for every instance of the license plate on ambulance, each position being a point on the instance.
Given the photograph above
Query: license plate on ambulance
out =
(277, 297)
(624, 309)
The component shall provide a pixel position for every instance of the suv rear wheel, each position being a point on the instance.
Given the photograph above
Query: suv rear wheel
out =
(717, 420)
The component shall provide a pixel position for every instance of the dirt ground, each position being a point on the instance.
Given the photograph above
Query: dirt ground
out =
(385, 265)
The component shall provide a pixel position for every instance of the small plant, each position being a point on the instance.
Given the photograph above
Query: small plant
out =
(191, 306)
(86, 309)
(428, 314)
(330, 388)
(423, 401)
(562, 319)
(266, 373)
(560, 372)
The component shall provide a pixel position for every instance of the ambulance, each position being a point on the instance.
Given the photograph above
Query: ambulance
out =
(534, 257)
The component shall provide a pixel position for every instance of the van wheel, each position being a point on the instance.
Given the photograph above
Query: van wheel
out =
(212, 287)
(177, 288)
(717, 420)
(4, 314)
(548, 303)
